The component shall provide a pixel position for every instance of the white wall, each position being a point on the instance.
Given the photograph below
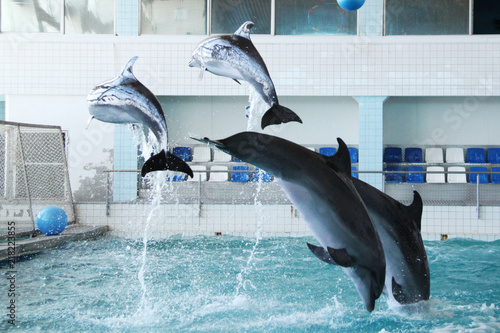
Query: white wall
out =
(324, 118)
(471, 120)
(89, 151)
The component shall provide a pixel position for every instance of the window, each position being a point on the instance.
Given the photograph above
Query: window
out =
(31, 16)
(304, 17)
(427, 17)
(89, 17)
(486, 17)
(174, 17)
(228, 15)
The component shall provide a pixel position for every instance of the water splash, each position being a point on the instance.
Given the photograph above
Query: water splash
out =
(257, 109)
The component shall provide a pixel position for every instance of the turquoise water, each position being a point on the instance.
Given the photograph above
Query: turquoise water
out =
(217, 284)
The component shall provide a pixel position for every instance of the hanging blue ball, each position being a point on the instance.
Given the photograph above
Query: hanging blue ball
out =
(52, 220)
(351, 4)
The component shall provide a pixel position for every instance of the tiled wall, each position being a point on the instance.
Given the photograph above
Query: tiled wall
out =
(129, 220)
(312, 66)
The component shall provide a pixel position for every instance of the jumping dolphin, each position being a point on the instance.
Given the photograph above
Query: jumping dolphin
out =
(125, 100)
(407, 268)
(234, 56)
(326, 197)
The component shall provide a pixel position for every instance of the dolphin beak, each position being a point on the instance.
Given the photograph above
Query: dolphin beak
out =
(194, 63)
(217, 144)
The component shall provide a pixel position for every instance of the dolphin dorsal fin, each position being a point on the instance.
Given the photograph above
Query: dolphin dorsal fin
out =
(341, 160)
(415, 209)
(127, 70)
(244, 30)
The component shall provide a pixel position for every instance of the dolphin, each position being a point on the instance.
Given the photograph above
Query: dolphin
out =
(236, 57)
(125, 100)
(407, 268)
(326, 197)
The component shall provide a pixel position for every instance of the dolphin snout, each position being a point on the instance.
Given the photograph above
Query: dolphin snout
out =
(194, 63)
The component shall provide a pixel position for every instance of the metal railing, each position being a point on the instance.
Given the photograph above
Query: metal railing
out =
(198, 196)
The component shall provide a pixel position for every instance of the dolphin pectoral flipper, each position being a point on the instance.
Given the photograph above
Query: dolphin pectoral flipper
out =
(278, 114)
(165, 161)
(237, 81)
(397, 292)
(341, 257)
(321, 253)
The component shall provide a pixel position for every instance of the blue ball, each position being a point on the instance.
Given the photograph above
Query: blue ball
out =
(351, 4)
(52, 220)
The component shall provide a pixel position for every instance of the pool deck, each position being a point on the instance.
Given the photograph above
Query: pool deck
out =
(42, 242)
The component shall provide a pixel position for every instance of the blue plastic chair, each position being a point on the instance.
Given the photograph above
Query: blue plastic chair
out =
(182, 152)
(257, 176)
(354, 174)
(494, 155)
(414, 155)
(238, 160)
(414, 177)
(393, 177)
(240, 177)
(495, 178)
(327, 151)
(483, 178)
(353, 152)
(475, 155)
(393, 155)
(177, 178)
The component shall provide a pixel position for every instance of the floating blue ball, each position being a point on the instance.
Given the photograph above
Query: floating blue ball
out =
(351, 4)
(52, 220)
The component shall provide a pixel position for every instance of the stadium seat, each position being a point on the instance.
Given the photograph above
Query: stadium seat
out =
(176, 177)
(197, 174)
(220, 156)
(435, 177)
(182, 152)
(327, 151)
(456, 177)
(354, 174)
(494, 155)
(393, 155)
(413, 155)
(354, 154)
(414, 177)
(434, 155)
(393, 177)
(218, 176)
(201, 154)
(475, 155)
(240, 177)
(263, 176)
(454, 155)
(495, 178)
(483, 177)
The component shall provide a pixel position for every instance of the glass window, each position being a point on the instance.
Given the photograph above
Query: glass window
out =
(174, 17)
(486, 17)
(229, 15)
(30, 16)
(305, 17)
(427, 17)
(89, 16)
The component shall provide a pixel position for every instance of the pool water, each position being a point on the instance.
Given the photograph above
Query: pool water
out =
(227, 284)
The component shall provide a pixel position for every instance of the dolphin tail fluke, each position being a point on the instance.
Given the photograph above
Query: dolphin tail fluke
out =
(279, 114)
(166, 161)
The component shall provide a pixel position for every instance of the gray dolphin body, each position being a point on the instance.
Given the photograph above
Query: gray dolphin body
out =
(125, 100)
(407, 268)
(326, 197)
(234, 56)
